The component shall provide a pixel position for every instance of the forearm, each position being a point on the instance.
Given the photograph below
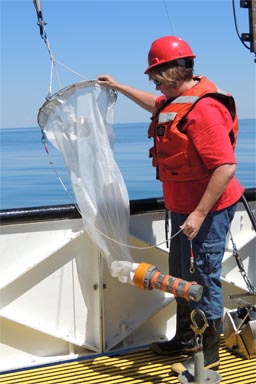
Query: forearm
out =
(144, 99)
(216, 186)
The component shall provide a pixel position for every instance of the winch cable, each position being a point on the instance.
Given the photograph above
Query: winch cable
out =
(41, 23)
(168, 17)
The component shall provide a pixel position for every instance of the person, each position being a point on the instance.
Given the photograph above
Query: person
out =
(194, 130)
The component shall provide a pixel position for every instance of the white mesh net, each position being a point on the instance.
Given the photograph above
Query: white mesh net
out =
(78, 122)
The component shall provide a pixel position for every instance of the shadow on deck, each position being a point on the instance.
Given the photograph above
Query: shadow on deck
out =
(135, 367)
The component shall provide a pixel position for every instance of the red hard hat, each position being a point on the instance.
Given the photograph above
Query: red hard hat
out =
(166, 49)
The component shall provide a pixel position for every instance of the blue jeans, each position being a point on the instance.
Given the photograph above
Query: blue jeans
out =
(208, 248)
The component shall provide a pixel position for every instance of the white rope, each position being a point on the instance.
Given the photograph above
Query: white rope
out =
(42, 24)
(54, 69)
(51, 78)
(72, 70)
(88, 222)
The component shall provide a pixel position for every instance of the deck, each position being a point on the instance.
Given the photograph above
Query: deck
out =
(134, 367)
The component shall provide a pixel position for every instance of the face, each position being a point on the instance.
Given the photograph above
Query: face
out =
(168, 90)
(171, 81)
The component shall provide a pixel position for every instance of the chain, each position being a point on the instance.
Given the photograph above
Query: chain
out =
(239, 261)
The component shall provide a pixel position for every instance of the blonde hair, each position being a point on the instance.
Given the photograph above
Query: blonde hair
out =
(171, 74)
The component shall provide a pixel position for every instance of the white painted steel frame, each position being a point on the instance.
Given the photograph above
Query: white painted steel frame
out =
(59, 301)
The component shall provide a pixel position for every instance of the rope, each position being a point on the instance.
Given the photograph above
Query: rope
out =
(43, 140)
(41, 23)
(71, 70)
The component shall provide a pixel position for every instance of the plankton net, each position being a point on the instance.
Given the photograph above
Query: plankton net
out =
(77, 120)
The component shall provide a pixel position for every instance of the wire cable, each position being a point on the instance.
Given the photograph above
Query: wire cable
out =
(168, 16)
(41, 23)
(236, 26)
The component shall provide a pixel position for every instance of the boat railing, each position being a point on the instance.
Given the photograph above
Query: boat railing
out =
(69, 211)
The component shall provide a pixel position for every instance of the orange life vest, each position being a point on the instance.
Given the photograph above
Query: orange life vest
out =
(174, 155)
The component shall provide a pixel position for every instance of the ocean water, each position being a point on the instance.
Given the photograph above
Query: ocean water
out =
(28, 179)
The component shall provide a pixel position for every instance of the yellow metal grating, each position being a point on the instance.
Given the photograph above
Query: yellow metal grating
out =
(135, 367)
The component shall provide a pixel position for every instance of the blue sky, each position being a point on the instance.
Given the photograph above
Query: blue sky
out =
(99, 37)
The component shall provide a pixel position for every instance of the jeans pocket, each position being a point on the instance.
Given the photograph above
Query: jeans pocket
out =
(209, 258)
